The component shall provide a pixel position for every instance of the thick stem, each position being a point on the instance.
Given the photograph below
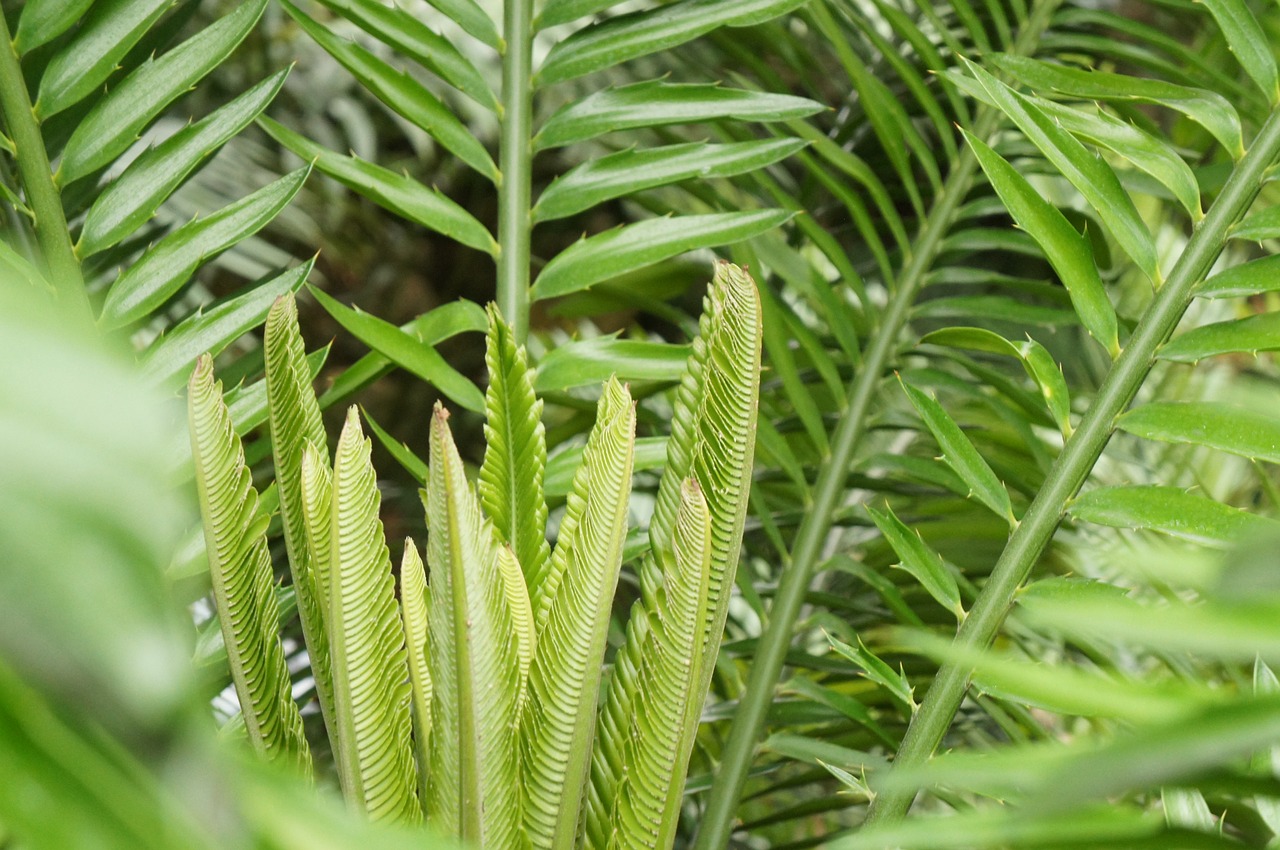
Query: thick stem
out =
(1076, 461)
(37, 179)
(515, 159)
(716, 825)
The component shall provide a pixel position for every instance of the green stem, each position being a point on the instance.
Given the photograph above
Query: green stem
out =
(716, 825)
(515, 161)
(37, 178)
(1076, 462)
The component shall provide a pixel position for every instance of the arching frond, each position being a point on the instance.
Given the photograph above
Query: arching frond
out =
(243, 587)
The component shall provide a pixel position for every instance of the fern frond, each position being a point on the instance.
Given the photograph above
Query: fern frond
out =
(515, 454)
(295, 421)
(415, 605)
(370, 671)
(668, 704)
(559, 722)
(240, 567)
(473, 788)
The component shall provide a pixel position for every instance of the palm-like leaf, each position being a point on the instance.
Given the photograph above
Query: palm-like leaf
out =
(244, 590)
(367, 643)
(573, 621)
(474, 661)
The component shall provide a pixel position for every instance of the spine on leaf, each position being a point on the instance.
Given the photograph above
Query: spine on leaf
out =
(239, 564)
(576, 601)
(370, 669)
(475, 663)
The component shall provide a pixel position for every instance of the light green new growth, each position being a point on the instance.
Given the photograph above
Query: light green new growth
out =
(415, 606)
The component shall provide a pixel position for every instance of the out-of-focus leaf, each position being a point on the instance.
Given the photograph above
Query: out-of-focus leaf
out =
(594, 361)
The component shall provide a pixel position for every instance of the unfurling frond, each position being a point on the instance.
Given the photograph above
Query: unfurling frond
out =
(295, 424)
(474, 661)
(235, 533)
(370, 671)
(515, 454)
(415, 606)
(576, 601)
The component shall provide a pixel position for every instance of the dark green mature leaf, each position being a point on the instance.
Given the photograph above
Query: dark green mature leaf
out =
(648, 31)
(370, 670)
(1251, 278)
(118, 117)
(134, 196)
(212, 330)
(401, 30)
(564, 11)
(515, 454)
(1237, 430)
(1169, 510)
(42, 21)
(571, 607)
(917, 558)
(656, 103)
(1263, 224)
(243, 585)
(1248, 42)
(630, 247)
(625, 172)
(402, 93)
(959, 454)
(109, 31)
(592, 361)
(169, 263)
(474, 20)
(397, 192)
(405, 351)
(1248, 336)
(1066, 249)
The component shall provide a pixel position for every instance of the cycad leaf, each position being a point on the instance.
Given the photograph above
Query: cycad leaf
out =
(317, 510)
(118, 117)
(44, 20)
(572, 624)
(295, 424)
(474, 661)
(918, 558)
(370, 670)
(1240, 431)
(240, 566)
(474, 20)
(415, 606)
(1169, 510)
(1248, 42)
(1248, 335)
(668, 703)
(515, 454)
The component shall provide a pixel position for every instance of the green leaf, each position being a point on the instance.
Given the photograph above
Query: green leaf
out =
(134, 196)
(1237, 430)
(1264, 224)
(1066, 249)
(1252, 278)
(169, 264)
(557, 12)
(474, 790)
(623, 249)
(415, 603)
(414, 465)
(119, 117)
(296, 425)
(235, 533)
(401, 93)
(1249, 43)
(405, 351)
(82, 64)
(214, 329)
(918, 559)
(473, 19)
(515, 454)
(591, 361)
(629, 171)
(572, 608)
(1168, 510)
(626, 37)
(655, 103)
(42, 21)
(651, 454)
(370, 671)
(397, 28)
(317, 524)
(1087, 172)
(1249, 335)
(874, 668)
(398, 193)
(1208, 109)
(959, 454)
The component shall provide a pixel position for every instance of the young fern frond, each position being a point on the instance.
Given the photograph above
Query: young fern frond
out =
(560, 719)
(295, 421)
(415, 608)
(370, 672)
(474, 661)
(515, 454)
(240, 566)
